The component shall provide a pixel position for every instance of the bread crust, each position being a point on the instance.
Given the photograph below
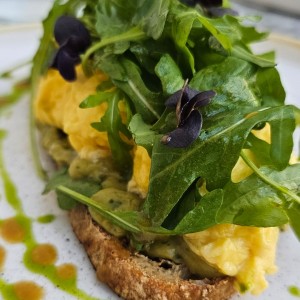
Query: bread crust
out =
(134, 276)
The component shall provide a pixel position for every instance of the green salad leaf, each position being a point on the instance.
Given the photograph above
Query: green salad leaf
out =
(85, 187)
(112, 123)
(212, 156)
(150, 49)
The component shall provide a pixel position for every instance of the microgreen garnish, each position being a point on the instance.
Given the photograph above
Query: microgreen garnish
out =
(189, 119)
(73, 39)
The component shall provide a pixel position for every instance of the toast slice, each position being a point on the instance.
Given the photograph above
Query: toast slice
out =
(134, 276)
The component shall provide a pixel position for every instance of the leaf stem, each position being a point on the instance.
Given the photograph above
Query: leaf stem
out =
(268, 180)
(134, 33)
(136, 91)
(7, 73)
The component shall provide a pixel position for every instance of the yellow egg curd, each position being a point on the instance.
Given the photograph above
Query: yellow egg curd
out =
(57, 104)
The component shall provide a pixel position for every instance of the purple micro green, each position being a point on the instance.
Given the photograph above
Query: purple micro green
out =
(189, 119)
(183, 136)
(73, 39)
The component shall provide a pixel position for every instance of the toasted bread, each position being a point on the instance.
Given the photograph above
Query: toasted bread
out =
(134, 276)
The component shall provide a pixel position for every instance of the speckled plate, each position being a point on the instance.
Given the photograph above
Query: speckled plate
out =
(17, 170)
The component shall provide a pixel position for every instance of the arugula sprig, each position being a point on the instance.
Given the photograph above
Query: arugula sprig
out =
(148, 49)
(266, 198)
(123, 31)
(112, 123)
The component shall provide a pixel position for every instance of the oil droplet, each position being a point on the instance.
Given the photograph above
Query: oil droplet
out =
(25, 290)
(66, 271)
(46, 219)
(2, 257)
(11, 231)
(44, 254)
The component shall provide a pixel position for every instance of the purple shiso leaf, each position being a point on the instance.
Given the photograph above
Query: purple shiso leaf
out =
(185, 135)
(66, 65)
(67, 26)
(188, 92)
(199, 100)
(73, 39)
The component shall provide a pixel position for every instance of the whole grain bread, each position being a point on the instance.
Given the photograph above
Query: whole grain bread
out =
(134, 276)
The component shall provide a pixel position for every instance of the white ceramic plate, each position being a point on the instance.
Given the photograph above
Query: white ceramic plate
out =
(17, 45)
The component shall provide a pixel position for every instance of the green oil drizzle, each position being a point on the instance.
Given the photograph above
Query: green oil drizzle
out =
(49, 271)
(294, 290)
(9, 188)
(46, 219)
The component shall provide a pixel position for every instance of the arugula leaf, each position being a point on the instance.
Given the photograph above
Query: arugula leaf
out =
(270, 87)
(84, 186)
(148, 53)
(261, 150)
(282, 139)
(293, 212)
(151, 16)
(212, 157)
(96, 99)
(203, 215)
(147, 103)
(252, 202)
(169, 74)
(142, 133)
(118, 16)
(234, 82)
(277, 153)
(234, 38)
(186, 204)
(181, 22)
(114, 17)
(112, 123)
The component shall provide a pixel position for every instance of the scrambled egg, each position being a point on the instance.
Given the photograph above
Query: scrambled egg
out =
(248, 253)
(139, 182)
(57, 104)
